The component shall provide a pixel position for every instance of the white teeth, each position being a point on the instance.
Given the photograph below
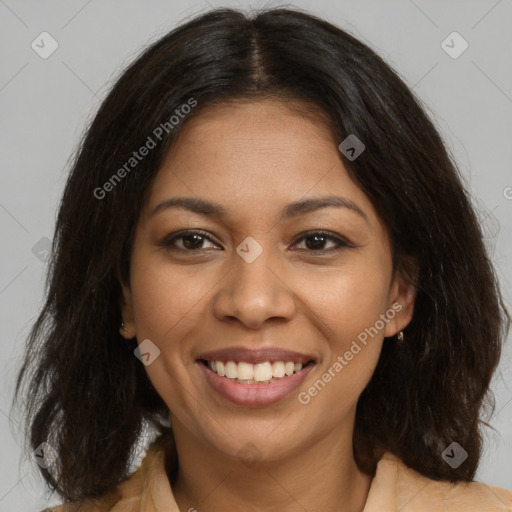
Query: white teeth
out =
(262, 371)
(278, 369)
(231, 370)
(255, 373)
(245, 371)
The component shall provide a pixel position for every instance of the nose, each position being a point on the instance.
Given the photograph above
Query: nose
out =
(253, 293)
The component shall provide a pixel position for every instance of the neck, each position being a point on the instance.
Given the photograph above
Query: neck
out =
(322, 477)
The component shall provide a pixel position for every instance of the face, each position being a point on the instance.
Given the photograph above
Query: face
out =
(287, 265)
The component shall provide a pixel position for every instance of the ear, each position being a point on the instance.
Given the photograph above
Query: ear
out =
(128, 330)
(402, 295)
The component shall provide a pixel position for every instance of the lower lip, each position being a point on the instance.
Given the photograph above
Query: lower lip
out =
(257, 395)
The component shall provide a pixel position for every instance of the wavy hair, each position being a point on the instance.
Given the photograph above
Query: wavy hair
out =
(84, 391)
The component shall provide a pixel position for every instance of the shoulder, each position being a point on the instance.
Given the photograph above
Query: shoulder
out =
(124, 498)
(108, 503)
(112, 502)
(149, 484)
(410, 491)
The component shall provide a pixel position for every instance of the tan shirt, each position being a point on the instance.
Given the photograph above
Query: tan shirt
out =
(394, 488)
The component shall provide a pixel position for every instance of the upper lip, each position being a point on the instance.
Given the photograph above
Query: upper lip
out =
(255, 356)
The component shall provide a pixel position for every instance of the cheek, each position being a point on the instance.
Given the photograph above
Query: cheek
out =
(167, 301)
(167, 306)
(346, 317)
(346, 307)
(348, 300)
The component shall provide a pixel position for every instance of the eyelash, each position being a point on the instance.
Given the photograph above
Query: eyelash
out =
(170, 240)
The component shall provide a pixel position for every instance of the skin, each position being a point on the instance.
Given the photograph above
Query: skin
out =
(254, 158)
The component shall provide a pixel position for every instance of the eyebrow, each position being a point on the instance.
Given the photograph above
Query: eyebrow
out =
(292, 210)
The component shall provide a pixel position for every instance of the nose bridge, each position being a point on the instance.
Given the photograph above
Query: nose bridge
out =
(253, 290)
(251, 269)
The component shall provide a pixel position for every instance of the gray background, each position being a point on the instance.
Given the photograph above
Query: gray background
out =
(45, 103)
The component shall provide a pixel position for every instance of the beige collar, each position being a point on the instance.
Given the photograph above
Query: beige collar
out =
(395, 487)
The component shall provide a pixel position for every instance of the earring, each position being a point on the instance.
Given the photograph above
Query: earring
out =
(400, 337)
(122, 326)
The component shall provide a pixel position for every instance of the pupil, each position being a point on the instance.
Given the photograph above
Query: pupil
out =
(189, 245)
(318, 244)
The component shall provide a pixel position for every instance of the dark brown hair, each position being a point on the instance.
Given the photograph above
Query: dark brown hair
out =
(86, 393)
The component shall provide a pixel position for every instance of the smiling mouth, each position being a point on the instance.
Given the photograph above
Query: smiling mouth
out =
(261, 373)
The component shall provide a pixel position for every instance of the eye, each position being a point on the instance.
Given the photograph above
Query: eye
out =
(190, 241)
(316, 240)
(186, 241)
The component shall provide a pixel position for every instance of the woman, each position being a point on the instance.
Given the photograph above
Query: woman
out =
(264, 251)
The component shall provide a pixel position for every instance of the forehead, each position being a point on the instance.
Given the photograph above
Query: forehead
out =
(258, 155)
(249, 126)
